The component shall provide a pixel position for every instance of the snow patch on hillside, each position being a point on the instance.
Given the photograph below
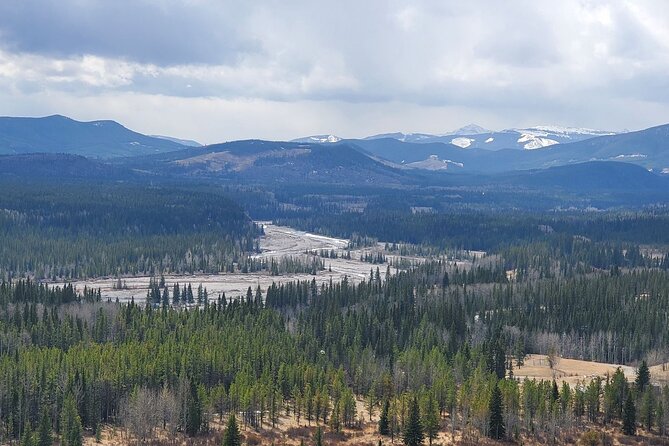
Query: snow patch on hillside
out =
(532, 142)
(462, 142)
(631, 156)
(567, 131)
(325, 138)
(434, 163)
(318, 139)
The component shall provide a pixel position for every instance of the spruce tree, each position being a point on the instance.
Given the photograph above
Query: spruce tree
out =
(70, 423)
(176, 295)
(318, 439)
(44, 437)
(166, 297)
(629, 416)
(413, 431)
(27, 437)
(499, 360)
(647, 409)
(642, 377)
(194, 412)
(497, 430)
(232, 436)
(431, 419)
(384, 425)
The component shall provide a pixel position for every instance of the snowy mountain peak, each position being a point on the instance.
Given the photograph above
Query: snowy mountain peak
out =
(319, 139)
(471, 129)
(545, 130)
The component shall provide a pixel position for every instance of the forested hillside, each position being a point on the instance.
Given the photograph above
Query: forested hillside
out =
(445, 338)
(66, 230)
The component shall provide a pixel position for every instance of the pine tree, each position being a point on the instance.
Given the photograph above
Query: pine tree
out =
(642, 377)
(384, 425)
(70, 423)
(27, 437)
(647, 409)
(194, 412)
(555, 393)
(629, 416)
(318, 438)
(166, 297)
(44, 437)
(413, 431)
(499, 360)
(431, 419)
(232, 436)
(191, 299)
(497, 430)
(176, 295)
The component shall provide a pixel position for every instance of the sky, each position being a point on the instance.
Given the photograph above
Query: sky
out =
(219, 70)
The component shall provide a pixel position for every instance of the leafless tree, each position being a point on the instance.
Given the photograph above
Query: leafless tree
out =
(140, 413)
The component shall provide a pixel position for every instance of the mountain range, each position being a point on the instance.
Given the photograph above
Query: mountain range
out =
(473, 136)
(108, 149)
(648, 148)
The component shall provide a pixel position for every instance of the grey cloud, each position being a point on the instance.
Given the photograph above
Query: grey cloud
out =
(147, 31)
(540, 60)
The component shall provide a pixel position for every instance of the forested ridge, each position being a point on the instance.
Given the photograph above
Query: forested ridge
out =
(73, 230)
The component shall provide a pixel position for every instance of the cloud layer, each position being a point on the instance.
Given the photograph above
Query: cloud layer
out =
(218, 70)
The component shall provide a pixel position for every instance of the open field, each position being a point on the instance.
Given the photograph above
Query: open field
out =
(278, 241)
(574, 370)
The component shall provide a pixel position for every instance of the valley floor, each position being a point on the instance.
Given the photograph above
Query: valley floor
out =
(278, 242)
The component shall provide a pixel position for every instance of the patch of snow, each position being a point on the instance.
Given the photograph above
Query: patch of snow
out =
(434, 163)
(566, 131)
(665, 171)
(489, 140)
(631, 156)
(455, 163)
(417, 136)
(462, 142)
(135, 143)
(319, 139)
(532, 142)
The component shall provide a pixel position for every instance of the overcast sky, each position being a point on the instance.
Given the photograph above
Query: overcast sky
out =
(217, 70)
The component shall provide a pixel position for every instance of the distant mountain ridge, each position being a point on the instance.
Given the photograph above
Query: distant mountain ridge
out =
(473, 136)
(330, 158)
(647, 148)
(318, 139)
(94, 139)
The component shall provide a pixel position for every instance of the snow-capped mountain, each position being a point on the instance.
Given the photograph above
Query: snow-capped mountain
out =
(473, 136)
(470, 129)
(646, 148)
(546, 135)
(322, 139)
